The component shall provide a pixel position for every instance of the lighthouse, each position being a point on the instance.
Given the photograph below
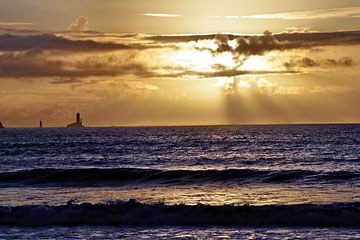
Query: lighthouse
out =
(78, 120)
(78, 123)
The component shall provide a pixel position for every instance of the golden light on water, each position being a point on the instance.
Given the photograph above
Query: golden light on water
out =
(170, 195)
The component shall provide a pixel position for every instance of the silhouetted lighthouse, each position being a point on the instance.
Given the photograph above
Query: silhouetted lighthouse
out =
(78, 120)
(78, 123)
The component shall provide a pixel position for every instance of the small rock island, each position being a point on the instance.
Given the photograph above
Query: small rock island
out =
(1, 126)
(77, 124)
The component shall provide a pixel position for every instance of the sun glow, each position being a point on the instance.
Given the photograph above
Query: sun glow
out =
(243, 84)
(257, 63)
(223, 82)
(231, 84)
(203, 60)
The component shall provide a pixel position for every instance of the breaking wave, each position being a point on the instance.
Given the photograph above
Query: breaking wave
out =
(135, 213)
(122, 176)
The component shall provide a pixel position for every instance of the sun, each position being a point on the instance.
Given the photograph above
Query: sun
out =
(202, 57)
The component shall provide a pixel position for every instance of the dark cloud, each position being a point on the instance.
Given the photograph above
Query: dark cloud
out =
(344, 36)
(111, 67)
(180, 38)
(343, 62)
(258, 45)
(33, 63)
(333, 38)
(222, 41)
(245, 46)
(219, 73)
(307, 62)
(33, 52)
(94, 34)
(29, 56)
(18, 30)
(29, 64)
(52, 42)
(65, 81)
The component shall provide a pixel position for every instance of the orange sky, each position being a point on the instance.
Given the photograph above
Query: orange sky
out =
(178, 63)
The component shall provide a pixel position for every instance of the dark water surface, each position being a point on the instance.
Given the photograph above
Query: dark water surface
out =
(286, 169)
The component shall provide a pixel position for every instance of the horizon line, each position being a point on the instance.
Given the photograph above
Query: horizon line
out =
(200, 125)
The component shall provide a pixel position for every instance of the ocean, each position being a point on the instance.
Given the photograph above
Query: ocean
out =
(201, 182)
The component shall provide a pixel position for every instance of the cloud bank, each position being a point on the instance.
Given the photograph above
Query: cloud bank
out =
(279, 41)
(35, 63)
(146, 79)
(52, 42)
(297, 63)
(93, 55)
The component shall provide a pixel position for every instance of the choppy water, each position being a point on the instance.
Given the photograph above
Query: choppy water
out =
(294, 175)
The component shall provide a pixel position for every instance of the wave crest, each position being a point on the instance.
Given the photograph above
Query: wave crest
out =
(135, 213)
(122, 176)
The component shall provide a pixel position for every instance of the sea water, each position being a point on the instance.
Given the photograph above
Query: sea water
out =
(276, 181)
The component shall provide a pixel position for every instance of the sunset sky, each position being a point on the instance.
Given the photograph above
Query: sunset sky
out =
(166, 62)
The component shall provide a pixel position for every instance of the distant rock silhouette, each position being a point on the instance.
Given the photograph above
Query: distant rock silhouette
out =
(1, 126)
(77, 124)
